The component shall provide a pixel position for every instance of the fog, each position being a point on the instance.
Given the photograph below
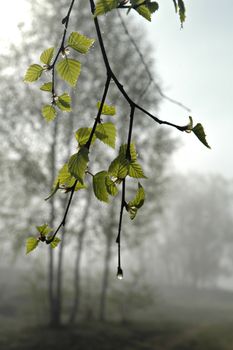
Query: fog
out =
(176, 255)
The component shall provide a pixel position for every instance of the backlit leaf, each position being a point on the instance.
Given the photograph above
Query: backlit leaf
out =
(99, 186)
(200, 133)
(104, 6)
(182, 11)
(69, 70)
(44, 230)
(107, 110)
(46, 87)
(119, 168)
(82, 136)
(33, 73)
(111, 186)
(80, 42)
(49, 112)
(55, 242)
(123, 150)
(64, 102)
(47, 56)
(144, 12)
(135, 170)
(106, 132)
(77, 164)
(139, 199)
(31, 244)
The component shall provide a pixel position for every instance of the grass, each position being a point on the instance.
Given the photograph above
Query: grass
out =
(113, 336)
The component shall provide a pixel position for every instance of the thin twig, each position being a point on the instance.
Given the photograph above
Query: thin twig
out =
(151, 79)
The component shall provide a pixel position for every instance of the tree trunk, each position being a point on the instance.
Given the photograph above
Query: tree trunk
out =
(109, 234)
(51, 281)
(77, 277)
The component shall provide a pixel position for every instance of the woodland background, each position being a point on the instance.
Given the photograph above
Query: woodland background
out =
(177, 286)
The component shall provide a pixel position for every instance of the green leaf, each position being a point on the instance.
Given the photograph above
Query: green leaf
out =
(111, 186)
(46, 87)
(64, 102)
(82, 136)
(80, 42)
(44, 230)
(132, 212)
(47, 56)
(66, 180)
(49, 112)
(200, 133)
(69, 70)
(153, 6)
(182, 12)
(104, 6)
(106, 132)
(123, 150)
(107, 110)
(55, 242)
(33, 73)
(135, 170)
(31, 244)
(77, 164)
(99, 186)
(139, 199)
(144, 12)
(119, 168)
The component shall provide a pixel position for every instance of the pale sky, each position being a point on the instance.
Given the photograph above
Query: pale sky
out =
(195, 67)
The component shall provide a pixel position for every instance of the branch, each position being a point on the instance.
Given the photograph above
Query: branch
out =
(61, 49)
(117, 82)
(151, 80)
(63, 222)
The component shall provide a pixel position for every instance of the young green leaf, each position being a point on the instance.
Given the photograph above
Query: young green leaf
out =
(139, 199)
(69, 70)
(80, 42)
(111, 186)
(135, 170)
(123, 150)
(119, 168)
(144, 12)
(106, 132)
(49, 112)
(44, 230)
(77, 164)
(182, 12)
(47, 56)
(132, 212)
(153, 6)
(107, 110)
(82, 136)
(55, 242)
(66, 180)
(99, 186)
(33, 73)
(31, 244)
(104, 6)
(64, 102)
(200, 133)
(46, 87)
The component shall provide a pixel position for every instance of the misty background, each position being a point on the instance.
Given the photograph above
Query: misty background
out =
(177, 290)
